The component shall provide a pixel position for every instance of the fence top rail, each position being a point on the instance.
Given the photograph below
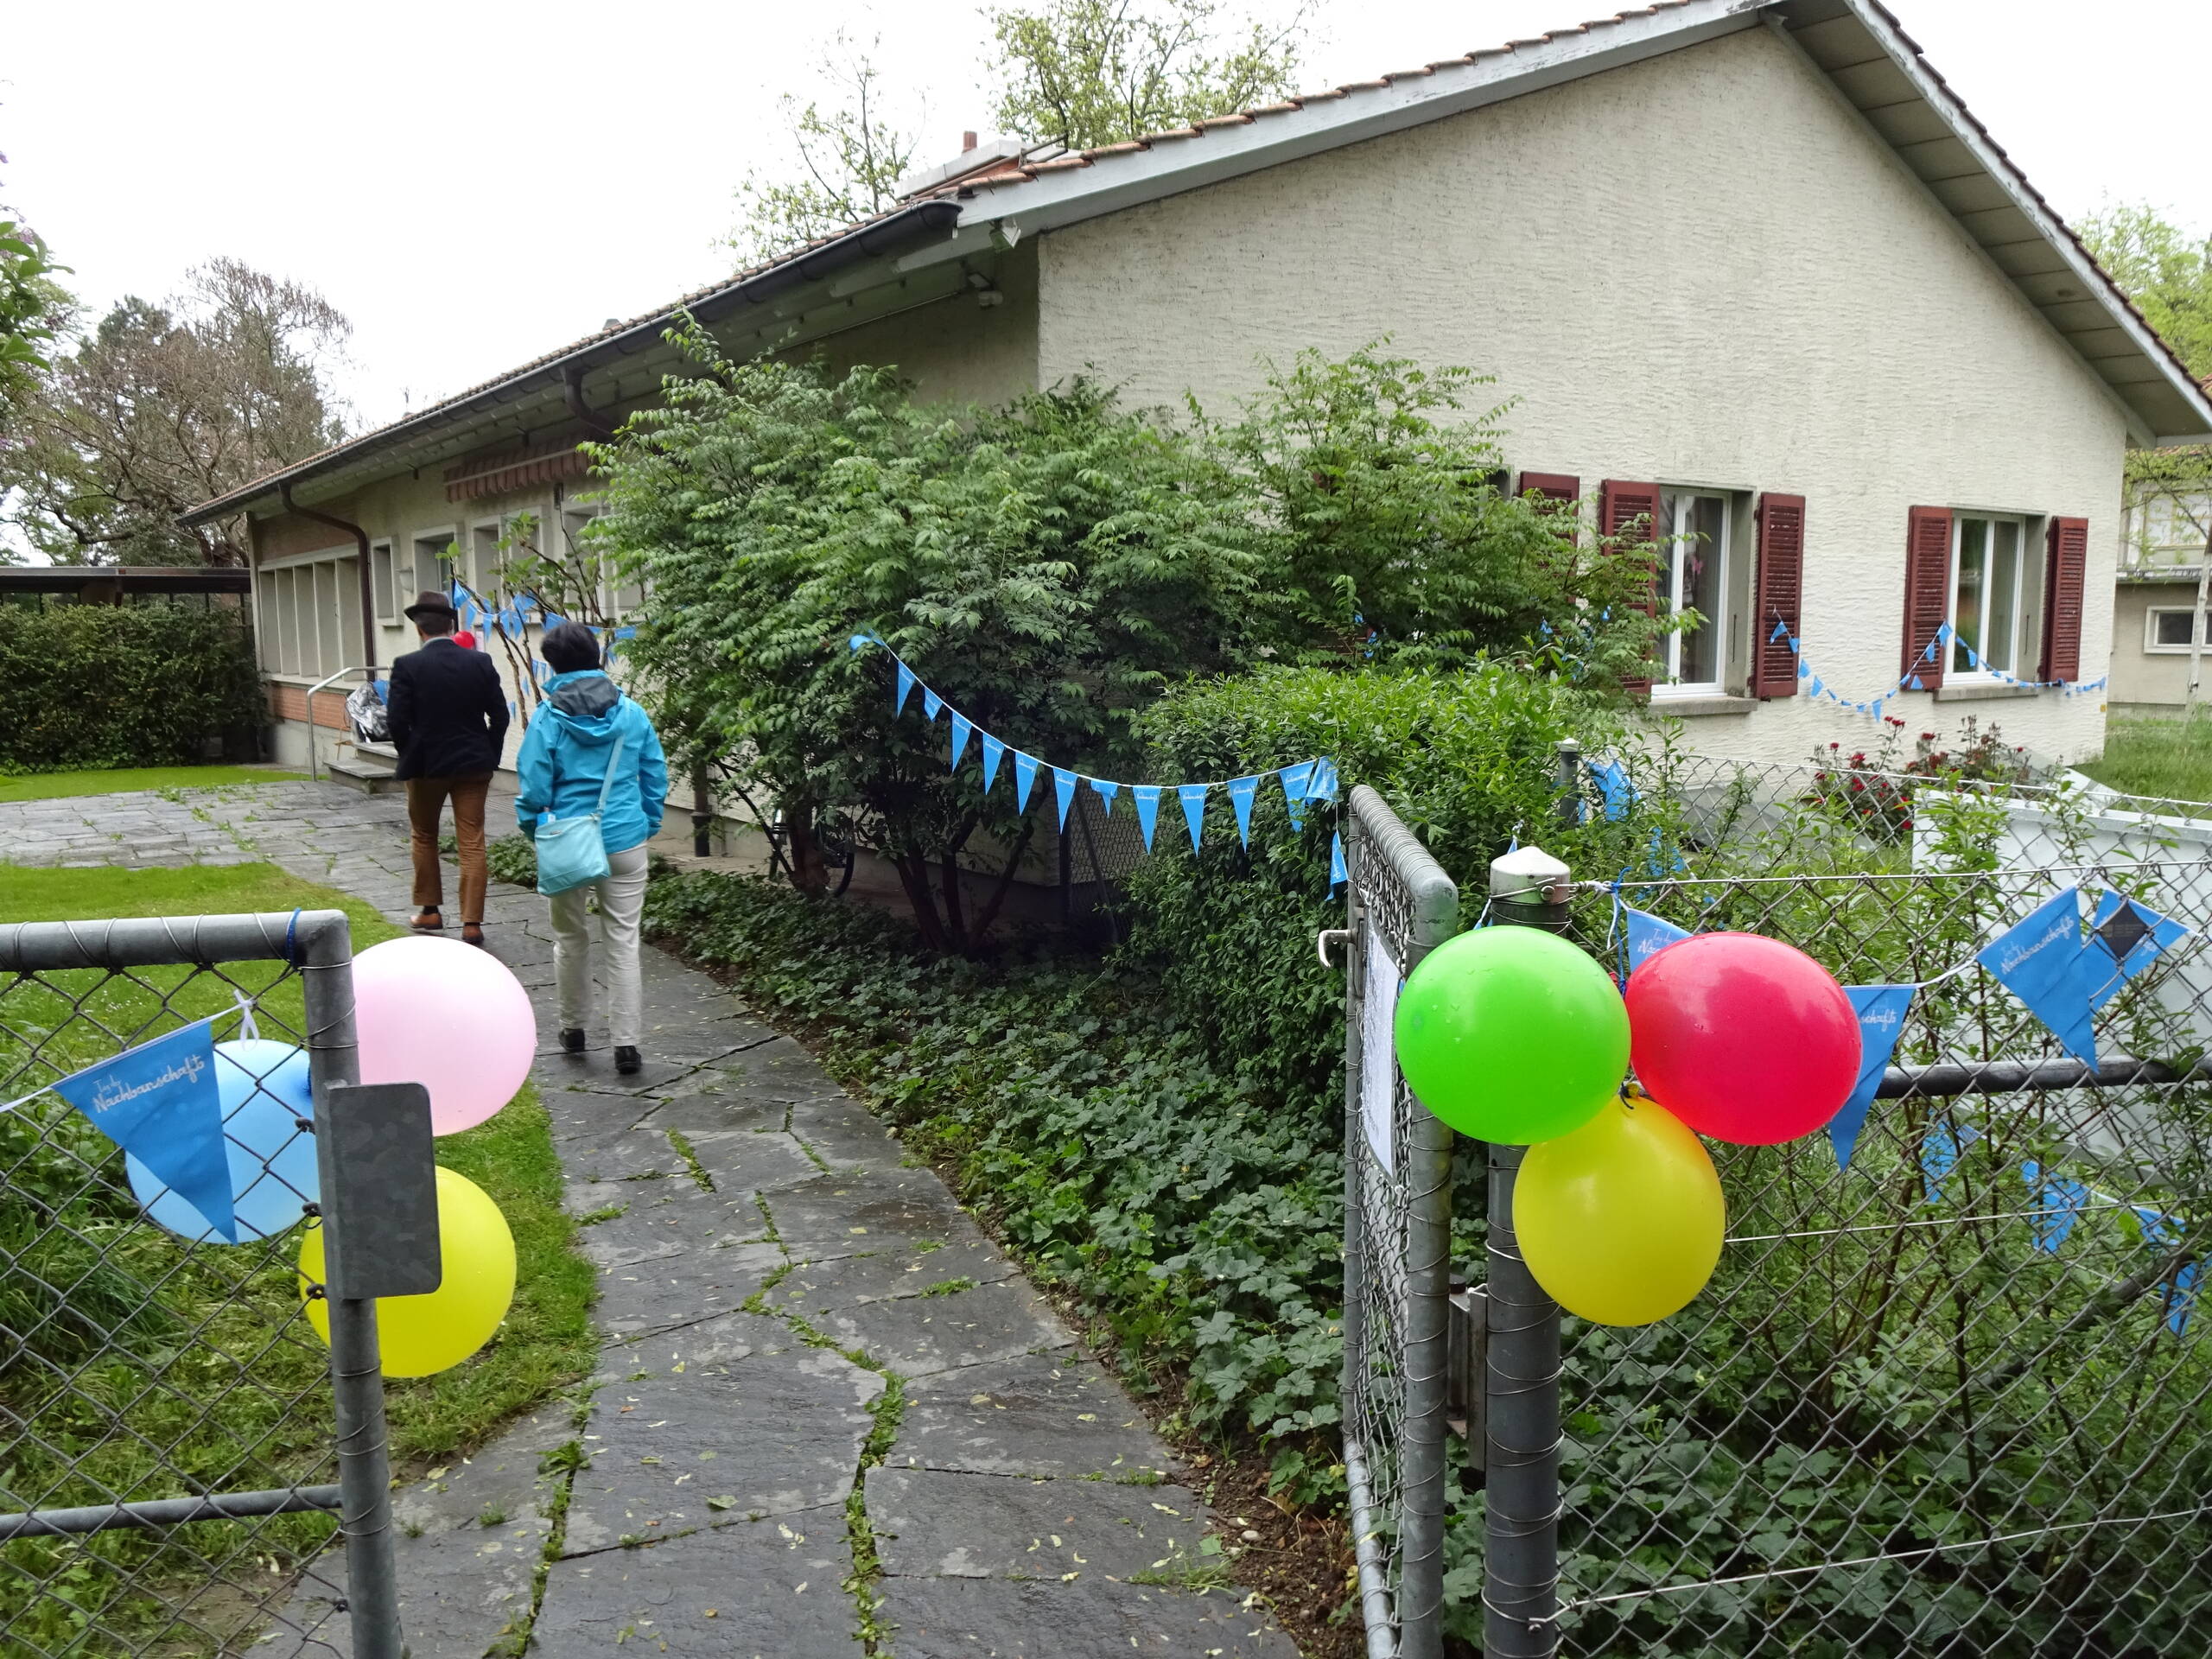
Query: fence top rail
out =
(1868, 878)
(302, 937)
(1435, 895)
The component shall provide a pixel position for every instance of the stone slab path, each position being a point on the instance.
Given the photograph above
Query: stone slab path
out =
(811, 1354)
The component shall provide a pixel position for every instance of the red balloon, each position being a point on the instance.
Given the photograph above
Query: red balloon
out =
(1745, 1039)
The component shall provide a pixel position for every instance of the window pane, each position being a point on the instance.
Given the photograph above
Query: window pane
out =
(1702, 555)
(2172, 627)
(347, 574)
(2004, 597)
(1974, 585)
(380, 578)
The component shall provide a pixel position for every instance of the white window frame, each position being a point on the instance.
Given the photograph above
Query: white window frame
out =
(299, 636)
(384, 558)
(2151, 615)
(2022, 593)
(440, 537)
(1675, 548)
(2183, 546)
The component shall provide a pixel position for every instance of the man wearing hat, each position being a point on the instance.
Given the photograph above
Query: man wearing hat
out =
(449, 718)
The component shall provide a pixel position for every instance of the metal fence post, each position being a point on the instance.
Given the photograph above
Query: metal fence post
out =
(1528, 888)
(324, 955)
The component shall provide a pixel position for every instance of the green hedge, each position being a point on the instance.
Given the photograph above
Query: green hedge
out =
(94, 686)
(1466, 759)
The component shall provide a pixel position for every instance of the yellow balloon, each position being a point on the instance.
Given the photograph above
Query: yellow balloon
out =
(421, 1335)
(1621, 1220)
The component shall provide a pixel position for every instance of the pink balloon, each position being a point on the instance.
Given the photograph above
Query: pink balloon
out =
(1744, 1038)
(448, 1016)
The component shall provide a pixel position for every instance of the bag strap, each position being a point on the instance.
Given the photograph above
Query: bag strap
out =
(606, 787)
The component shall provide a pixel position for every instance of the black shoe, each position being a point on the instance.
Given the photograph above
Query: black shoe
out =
(628, 1061)
(572, 1042)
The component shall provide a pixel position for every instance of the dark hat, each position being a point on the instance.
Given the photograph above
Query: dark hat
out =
(428, 600)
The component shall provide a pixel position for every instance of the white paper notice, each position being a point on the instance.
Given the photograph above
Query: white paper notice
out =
(1378, 1054)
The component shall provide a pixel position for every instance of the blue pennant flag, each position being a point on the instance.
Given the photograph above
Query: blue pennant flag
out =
(1294, 791)
(1881, 1011)
(1025, 775)
(1322, 784)
(1337, 874)
(1803, 672)
(855, 643)
(932, 704)
(1817, 689)
(1780, 629)
(2181, 1299)
(1912, 682)
(960, 730)
(2061, 1201)
(992, 750)
(905, 688)
(1193, 797)
(1147, 796)
(1107, 790)
(2041, 961)
(1645, 935)
(1241, 792)
(160, 1103)
(1939, 1156)
(2125, 938)
(1064, 786)
(1614, 789)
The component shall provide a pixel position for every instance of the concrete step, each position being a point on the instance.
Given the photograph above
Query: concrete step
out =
(363, 773)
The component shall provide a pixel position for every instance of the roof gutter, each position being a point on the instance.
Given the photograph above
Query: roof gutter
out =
(361, 565)
(900, 232)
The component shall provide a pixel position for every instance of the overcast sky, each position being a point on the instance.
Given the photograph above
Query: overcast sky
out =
(476, 183)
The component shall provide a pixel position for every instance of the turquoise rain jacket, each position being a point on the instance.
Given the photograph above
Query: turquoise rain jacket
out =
(564, 756)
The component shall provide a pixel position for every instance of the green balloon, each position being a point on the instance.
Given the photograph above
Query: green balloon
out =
(1512, 1035)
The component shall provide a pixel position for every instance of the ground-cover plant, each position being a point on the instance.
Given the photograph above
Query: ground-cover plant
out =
(89, 686)
(2166, 760)
(211, 1379)
(57, 786)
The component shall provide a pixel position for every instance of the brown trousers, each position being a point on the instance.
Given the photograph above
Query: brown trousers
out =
(426, 800)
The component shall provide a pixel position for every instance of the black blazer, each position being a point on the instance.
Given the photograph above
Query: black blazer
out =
(448, 712)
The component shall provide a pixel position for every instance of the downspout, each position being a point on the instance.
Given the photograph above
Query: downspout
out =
(368, 590)
(594, 425)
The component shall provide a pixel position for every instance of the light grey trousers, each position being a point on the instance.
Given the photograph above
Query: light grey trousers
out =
(621, 894)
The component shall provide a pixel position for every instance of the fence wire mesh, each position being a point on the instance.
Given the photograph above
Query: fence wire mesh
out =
(1397, 1162)
(145, 1362)
(1954, 1399)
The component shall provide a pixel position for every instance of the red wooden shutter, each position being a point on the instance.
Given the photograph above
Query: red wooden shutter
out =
(1927, 592)
(2064, 576)
(1780, 587)
(1553, 486)
(1620, 508)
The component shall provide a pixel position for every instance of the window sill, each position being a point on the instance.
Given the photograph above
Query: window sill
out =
(1694, 708)
(1985, 693)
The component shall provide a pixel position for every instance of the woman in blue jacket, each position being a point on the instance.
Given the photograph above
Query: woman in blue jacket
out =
(563, 763)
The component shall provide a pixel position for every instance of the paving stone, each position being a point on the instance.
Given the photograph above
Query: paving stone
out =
(886, 1208)
(663, 1296)
(918, 1335)
(666, 1218)
(936, 1522)
(843, 1132)
(1089, 1618)
(769, 1590)
(778, 1431)
(709, 1346)
(888, 1272)
(694, 1110)
(1036, 1415)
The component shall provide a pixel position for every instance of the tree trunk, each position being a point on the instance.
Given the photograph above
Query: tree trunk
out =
(956, 920)
(984, 922)
(809, 874)
(914, 876)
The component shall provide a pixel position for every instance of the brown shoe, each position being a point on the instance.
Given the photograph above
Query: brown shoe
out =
(472, 934)
(427, 920)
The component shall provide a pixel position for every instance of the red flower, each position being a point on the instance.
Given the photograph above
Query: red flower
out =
(1907, 824)
(1927, 737)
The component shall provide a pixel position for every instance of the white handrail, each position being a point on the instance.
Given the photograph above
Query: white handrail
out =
(314, 769)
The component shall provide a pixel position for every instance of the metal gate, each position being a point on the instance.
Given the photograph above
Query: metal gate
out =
(1397, 1243)
(172, 1431)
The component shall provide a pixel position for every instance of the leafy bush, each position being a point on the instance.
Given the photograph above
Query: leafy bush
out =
(1466, 760)
(1050, 568)
(95, 686)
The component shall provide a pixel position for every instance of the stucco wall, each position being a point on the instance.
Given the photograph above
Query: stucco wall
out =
(1697, 270)
(955, 350)
(2138, 676)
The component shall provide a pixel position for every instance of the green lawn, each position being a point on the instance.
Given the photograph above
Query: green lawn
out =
(212, 1371)
(2170, 759)
(51, 785)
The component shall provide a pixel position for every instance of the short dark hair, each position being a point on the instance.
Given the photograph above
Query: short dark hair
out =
(434, 624)
(568, 648)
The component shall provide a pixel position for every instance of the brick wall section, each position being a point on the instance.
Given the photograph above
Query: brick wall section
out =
(290, 702)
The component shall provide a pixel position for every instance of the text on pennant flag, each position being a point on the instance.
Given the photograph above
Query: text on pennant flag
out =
(2042, 961)
(1881, 1010)
(159, 1102)
(1193, 797)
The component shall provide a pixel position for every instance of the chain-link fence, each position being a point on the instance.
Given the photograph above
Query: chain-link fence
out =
(1397, 1242)
(174, 1438)
(1951, 1397)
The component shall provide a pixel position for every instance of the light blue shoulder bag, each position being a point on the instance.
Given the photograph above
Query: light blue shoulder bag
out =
(571, 851)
